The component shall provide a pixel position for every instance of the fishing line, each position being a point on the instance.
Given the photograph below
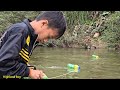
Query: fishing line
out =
(55, 67)
(60, 75)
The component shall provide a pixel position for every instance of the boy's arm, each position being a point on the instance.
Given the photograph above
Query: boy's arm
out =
(9, 55)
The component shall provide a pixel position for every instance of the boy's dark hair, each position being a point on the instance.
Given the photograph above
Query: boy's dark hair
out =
(55, 20)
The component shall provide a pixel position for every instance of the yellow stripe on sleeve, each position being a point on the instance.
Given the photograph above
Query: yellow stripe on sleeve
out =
(25, 51)
(24, 57)
(24, 54)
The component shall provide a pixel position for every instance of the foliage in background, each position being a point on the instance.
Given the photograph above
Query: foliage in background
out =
(111, 32)
(10, 17)
(82, 28)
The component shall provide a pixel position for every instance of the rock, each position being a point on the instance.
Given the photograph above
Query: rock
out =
(96, 35)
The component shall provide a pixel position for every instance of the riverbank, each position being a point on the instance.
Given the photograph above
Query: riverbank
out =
(85, 29)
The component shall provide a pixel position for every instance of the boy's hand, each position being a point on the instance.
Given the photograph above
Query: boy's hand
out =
(36, 74)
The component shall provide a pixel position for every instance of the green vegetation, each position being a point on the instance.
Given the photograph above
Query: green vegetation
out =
(86, 29)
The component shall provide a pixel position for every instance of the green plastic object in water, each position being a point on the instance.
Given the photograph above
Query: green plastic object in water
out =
(95, 56)
(73, 68)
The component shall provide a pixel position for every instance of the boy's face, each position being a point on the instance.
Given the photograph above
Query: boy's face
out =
(47, 33)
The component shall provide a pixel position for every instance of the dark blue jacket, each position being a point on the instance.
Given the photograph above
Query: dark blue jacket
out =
(15, 47)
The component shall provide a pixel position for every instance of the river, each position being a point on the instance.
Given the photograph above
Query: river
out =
(54, 61)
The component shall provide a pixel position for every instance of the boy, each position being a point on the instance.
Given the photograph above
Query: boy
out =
(17, 43)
